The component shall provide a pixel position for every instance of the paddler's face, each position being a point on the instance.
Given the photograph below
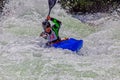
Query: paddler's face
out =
(48, 29)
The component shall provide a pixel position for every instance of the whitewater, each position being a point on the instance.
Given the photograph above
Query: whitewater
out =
(22, 52)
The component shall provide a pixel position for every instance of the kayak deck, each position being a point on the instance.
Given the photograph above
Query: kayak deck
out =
(70, 44)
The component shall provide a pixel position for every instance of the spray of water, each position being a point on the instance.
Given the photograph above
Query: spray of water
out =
(23, 57)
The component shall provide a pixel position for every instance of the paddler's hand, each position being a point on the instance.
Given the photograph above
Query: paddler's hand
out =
(43, 35)
(48, 17)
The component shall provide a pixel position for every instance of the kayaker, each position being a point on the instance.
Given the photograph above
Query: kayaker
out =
(51, 33)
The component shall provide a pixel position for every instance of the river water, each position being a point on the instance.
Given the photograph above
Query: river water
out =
(23, 57)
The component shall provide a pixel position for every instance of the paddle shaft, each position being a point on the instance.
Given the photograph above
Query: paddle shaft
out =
(51, 4)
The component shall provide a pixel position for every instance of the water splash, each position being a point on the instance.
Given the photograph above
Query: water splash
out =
(22, 58)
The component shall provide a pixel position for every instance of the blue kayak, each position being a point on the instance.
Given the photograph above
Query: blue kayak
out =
(70, 44)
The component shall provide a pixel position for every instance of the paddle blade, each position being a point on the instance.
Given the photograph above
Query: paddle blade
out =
(51, 3)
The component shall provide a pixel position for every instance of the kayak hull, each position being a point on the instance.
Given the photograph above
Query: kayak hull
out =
(70, 44)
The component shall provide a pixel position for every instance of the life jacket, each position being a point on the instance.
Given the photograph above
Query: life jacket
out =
(52, 36)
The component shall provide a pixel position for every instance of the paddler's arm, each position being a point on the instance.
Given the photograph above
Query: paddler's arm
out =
(44, 35)
(55, 21)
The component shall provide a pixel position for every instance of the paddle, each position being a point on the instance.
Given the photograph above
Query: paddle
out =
(51, 4)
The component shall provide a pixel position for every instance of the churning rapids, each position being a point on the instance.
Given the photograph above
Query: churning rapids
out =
(23, 57)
